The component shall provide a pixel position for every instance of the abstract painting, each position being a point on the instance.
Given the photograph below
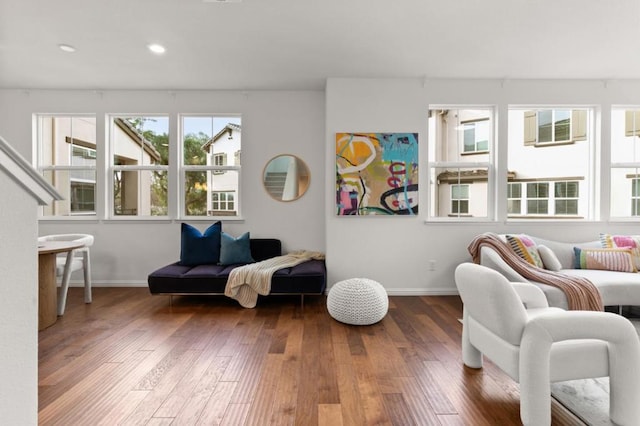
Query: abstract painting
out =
(376, 174)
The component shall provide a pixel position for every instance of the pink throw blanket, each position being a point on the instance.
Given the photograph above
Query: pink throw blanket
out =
(581, 293)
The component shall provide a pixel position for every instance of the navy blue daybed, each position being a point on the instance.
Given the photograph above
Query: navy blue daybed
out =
(306, 278)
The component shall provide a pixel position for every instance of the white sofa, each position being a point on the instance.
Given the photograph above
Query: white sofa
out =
(616, 288)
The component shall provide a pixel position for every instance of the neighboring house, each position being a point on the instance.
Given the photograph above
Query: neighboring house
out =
(223, 149)
(67, 158)
(550, 162)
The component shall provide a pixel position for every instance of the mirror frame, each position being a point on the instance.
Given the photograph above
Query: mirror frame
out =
(300, 185)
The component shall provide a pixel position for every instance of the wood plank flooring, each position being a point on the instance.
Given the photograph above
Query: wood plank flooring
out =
(132, 359)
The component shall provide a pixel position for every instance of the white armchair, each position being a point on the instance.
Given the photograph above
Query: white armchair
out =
(536, 345)
(75, 260)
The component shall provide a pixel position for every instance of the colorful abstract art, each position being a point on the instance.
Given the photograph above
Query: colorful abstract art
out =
(376, 174)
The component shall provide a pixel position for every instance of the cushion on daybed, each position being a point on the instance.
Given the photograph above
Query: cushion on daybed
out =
(235, 250)
(198, 248)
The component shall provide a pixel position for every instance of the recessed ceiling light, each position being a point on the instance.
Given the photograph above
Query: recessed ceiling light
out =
(157, 48)
(67, 48)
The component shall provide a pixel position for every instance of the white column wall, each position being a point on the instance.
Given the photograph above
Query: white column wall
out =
(19, 305)
(406, 254)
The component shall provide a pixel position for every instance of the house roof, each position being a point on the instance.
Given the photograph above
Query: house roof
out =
(228, 129)
(138, 138)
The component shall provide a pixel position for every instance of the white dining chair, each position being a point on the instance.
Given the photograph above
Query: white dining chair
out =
(78, 259)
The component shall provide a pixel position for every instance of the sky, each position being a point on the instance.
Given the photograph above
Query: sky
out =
(192, 124)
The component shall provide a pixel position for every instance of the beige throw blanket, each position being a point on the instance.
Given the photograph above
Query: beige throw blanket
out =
(581, 293)
(246, 282)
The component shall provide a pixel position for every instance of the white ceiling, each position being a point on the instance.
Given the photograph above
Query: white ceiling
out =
(298, 44)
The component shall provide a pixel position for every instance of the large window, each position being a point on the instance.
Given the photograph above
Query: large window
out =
(625, 162)
(139, 148)
(460, 162)
(550, 163)
(66, 147)
(209, 183)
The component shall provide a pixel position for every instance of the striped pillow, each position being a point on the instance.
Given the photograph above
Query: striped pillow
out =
(616, 259)
(525, 248)
(623, 241)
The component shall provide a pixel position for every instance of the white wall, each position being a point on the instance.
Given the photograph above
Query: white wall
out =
(19, 305)
(394, 250)
(273, 123)
(398, 251)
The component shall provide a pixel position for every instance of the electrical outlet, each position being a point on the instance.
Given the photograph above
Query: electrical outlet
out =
(432, 265)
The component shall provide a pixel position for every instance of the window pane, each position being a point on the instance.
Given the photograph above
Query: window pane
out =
(562, 131)
(445, 188)
(208, 193)
(140, 140)
(77, 188)
(537, 190)
(545, 126)
(203, 137)
(635, 188)
(566, 166)
(140, 193)
(625, 139)
(514, 190)
(566, 207)
(469, 138)
(622, 191)
(513, 206)
(635, 207)
(460, 191)
(537, 207)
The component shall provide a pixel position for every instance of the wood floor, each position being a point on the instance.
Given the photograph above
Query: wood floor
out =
(131, 358)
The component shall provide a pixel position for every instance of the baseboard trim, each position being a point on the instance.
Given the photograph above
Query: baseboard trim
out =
(390, 291)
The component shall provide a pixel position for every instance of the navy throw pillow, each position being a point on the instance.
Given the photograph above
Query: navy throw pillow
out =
(198, 248)
(235, 250)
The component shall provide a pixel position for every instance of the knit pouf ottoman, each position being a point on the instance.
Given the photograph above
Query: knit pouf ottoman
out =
(358, 301)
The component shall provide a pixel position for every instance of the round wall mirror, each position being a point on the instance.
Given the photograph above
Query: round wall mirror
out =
(286, 177)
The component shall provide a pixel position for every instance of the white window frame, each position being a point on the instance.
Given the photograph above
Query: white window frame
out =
(631, 129)
(113, 168)
(212, 170)
(583, 138)
(463, 163)
(44, 169)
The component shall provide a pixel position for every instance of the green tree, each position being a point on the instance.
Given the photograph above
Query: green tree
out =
(196, 190)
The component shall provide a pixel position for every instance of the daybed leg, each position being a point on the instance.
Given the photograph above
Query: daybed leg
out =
(302, 302)
(619, 309)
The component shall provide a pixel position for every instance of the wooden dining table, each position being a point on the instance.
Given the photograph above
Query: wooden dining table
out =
(47, 287)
